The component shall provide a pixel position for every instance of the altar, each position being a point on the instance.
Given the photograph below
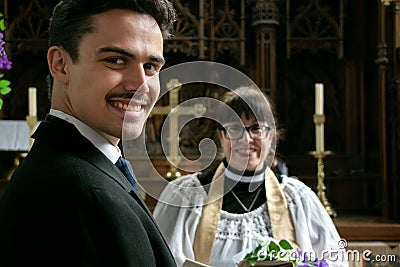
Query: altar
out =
(15, 135)
(15, 138)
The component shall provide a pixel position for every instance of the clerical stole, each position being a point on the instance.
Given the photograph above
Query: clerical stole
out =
(281, 221)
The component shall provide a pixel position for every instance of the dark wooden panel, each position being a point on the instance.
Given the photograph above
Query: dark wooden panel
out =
(363, 228)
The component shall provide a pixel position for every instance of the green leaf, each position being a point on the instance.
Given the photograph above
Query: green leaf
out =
(249, 256)
(285, 244)
(270, 257)
(5, 90)
(4, 83)
(252, 261)
(2, 26)
(273, 250)
(1, 103)
(273, 247)
(257, 249)
(254, 253)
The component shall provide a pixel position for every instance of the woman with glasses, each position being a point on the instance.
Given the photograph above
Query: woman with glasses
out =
(216, 217)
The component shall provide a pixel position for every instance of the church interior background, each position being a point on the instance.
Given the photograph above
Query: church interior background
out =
(286, 47)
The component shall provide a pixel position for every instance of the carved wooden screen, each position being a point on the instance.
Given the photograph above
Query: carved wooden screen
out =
(314, 25)
(209, 30)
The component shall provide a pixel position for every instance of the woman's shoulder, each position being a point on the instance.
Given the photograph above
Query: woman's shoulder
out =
(186, 181)
(294, 184)
(298, 193)
(185, 190)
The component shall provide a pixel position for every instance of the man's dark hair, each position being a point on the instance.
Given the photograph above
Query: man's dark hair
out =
(72, 20)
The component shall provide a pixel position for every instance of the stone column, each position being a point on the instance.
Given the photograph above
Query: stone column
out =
(265, 23)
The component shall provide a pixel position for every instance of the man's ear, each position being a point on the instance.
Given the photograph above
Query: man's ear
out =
(57, 60)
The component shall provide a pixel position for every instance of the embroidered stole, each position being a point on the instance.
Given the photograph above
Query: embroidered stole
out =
(280, 218)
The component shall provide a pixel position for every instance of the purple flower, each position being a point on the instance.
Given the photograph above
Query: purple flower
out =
(5, 64)
(318, 263)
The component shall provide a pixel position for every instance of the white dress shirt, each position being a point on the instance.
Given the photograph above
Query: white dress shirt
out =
(109, 150)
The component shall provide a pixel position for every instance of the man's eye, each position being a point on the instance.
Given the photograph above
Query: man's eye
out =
(116, 60)
(151, 67)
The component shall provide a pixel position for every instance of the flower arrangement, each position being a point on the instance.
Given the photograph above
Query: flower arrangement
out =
(5, 64)
(282, 251)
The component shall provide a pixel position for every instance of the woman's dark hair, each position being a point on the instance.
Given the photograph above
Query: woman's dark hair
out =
(248, 101)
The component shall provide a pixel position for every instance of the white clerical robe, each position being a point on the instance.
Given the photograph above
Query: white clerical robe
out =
(180, 206)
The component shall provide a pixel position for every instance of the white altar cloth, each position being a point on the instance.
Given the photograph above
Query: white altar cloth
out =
(14, 135)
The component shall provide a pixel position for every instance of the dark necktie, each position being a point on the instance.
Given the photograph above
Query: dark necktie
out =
(126, 169)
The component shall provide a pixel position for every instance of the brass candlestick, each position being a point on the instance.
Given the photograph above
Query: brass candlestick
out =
(32, 121)
(320, 155)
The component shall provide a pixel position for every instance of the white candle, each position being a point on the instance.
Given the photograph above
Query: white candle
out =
(319, 98)
(319, 138)
(32, 102)
(319, 110)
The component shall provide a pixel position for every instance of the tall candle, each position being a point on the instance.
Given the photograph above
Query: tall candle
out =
(319, 138)
(319, 98)
(319, 111)
(32, 102)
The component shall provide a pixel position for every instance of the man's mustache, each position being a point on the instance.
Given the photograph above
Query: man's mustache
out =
(132, 95)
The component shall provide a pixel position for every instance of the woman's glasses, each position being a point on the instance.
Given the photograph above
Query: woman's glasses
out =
(234, 132)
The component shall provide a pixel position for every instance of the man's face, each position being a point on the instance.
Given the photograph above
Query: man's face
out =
(124, 52)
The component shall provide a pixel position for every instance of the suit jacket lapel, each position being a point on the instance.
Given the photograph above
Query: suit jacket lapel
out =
(65, 135)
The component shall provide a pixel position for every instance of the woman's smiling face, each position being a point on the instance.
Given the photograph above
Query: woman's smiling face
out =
(246, 153)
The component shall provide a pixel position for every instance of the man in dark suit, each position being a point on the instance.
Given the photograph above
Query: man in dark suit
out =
(67, 204)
